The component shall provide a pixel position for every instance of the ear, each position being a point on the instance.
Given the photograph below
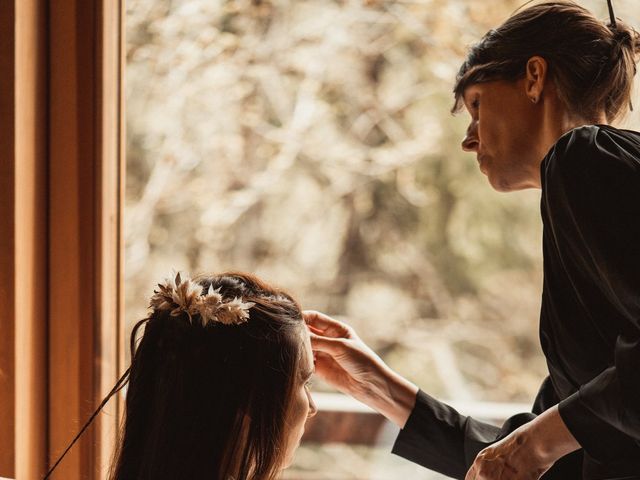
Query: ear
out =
(536, 76)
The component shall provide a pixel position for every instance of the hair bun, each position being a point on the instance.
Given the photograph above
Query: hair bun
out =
(625, 37)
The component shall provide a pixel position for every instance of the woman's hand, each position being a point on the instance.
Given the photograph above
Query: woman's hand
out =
(527, 453)
(511, 458)
(344, 361)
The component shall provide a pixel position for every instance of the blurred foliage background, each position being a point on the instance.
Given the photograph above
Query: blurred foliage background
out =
(310, 142)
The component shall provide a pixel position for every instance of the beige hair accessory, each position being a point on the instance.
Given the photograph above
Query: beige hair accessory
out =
(182, 295)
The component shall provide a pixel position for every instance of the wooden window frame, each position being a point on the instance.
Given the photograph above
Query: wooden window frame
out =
(23, 186)
(61, 197)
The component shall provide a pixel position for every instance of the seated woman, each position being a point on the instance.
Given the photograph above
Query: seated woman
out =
(218, 385)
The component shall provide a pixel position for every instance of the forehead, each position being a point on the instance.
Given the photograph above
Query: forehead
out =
(469, 89)
(495, 96)
(493, 87)
(306, 354)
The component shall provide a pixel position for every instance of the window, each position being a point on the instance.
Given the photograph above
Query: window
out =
(307, 142)
(310, 142)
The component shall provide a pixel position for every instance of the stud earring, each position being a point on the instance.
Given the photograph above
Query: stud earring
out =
(534, 99)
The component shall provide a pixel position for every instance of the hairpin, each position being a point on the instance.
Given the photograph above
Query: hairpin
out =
(182, 295)
(612, 17)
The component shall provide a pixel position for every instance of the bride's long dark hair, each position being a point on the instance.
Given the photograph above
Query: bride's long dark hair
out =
(212, 402)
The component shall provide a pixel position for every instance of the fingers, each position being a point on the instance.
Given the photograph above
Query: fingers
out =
(486, 468)
(331, 346)
(325, 325)
(331, 372)
(474, 474)
(315, 330)
(474, 471)
(471, 474)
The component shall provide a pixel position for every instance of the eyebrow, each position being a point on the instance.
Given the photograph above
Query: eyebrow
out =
(467, 101)
(465, 93)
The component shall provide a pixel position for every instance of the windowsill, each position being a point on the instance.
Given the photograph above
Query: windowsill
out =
(496, 411)
(341, 419)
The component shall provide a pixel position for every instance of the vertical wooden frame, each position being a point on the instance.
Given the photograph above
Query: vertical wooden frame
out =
(31, 293)
(85, 139)
(110, 141)
(23, 242)
(7, 238)
(71, 236)
(61, 161)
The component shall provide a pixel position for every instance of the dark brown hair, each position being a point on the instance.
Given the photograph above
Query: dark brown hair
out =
(592, 64)
(212, 402)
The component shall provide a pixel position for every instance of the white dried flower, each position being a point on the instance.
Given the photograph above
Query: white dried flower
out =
(234, 312)
(209, 305)
(162, 298)
(185, 295)
(179, 295)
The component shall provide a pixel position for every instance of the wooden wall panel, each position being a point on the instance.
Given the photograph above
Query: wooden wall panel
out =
(7, 237)
(23, 237)
(84, 251)
(71, 251)
(31, 240)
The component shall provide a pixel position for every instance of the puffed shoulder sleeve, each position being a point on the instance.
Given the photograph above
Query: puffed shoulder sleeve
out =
(591, 197)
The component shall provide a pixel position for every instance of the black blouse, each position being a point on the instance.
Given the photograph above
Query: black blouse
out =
(589, 319)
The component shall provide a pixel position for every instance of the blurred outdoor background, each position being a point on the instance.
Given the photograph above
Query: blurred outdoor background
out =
(310, 142)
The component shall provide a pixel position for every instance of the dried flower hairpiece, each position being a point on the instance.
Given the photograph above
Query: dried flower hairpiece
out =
(179, 295)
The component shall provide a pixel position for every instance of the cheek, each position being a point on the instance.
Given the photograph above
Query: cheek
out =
(489, 129)
(300, 408)
(304, 402)
(500, 140)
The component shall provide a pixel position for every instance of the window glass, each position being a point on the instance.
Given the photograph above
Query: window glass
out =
(311, 142)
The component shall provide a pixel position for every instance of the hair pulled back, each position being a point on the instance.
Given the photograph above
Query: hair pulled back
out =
(211, 402)
(592, 64)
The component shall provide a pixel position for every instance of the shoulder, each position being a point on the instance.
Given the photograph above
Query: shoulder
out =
(595, 157)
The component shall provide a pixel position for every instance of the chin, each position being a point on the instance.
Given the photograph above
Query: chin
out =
(291, 450)
(500, 184)
(504, 184)
(288, 461)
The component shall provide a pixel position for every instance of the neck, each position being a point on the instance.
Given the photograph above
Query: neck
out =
(556, 120)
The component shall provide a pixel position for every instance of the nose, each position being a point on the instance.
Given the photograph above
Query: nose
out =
(470, 142)
(312, 407)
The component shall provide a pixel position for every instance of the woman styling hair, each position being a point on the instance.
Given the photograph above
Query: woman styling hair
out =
(541, 90)
(218, 383)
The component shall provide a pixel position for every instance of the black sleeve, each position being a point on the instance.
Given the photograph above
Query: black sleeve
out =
(591, 186)
(439, 438)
